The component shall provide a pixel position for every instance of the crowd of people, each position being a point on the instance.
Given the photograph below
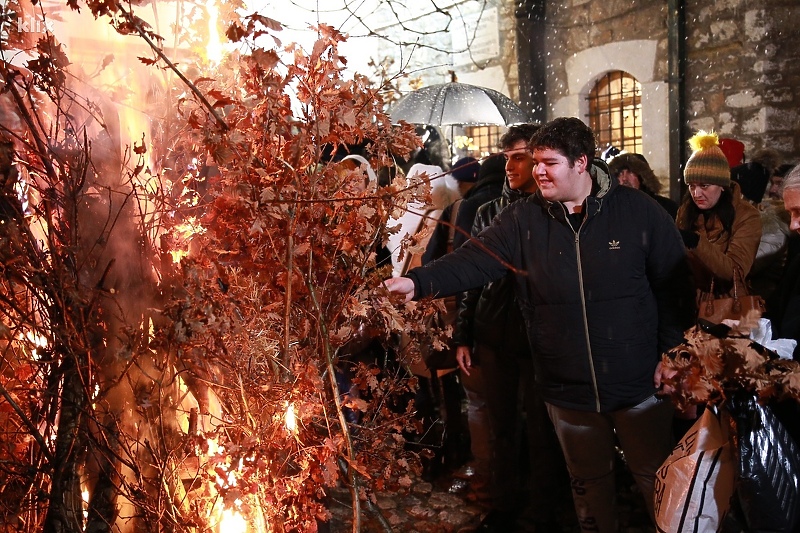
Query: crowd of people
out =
(571, 276)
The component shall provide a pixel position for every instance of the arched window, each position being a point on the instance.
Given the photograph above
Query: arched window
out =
(615, 112)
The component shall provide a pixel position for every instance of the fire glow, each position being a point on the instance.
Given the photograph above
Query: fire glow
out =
(214, 48)
(232, 522)
(290, 419)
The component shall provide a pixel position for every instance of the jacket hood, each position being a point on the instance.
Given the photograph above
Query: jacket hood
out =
(602, 185)
(647, 178)
(601, 176)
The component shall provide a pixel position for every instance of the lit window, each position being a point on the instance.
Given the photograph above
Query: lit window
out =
(482, 140)
(615, 112)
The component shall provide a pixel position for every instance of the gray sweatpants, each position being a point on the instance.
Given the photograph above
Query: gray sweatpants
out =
(587, 439)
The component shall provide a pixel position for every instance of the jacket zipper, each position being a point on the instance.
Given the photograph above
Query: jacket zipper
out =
(583, 308)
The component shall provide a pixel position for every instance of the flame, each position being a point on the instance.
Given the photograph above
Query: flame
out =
(290, 418)
(40, 341)
(183, 234)
(214, 49)
(232, 522)
(36, 342)
(213, 447)
(85, 502)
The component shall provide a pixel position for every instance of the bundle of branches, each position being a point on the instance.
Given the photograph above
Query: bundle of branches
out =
(197, 327)
(714, 363)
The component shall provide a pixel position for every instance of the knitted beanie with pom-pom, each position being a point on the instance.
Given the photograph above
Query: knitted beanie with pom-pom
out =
(707, 163)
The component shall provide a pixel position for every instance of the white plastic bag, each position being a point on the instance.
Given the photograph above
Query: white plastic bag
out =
(763, 336)
(693, 487)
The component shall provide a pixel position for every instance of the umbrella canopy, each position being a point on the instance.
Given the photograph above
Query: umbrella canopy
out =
(457, 104)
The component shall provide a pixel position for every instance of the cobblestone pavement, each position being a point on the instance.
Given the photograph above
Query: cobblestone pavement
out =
(449, 505)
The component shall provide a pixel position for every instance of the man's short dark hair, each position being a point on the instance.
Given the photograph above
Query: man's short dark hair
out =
(568, 135)
(518, 132)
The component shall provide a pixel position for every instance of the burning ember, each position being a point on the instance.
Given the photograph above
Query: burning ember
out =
(291, 419)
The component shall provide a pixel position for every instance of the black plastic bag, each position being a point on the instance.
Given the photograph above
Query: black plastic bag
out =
(768, 489)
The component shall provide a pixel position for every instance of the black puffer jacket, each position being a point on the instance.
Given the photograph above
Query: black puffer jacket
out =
(491, 315)
(601, 300)
(488, 187)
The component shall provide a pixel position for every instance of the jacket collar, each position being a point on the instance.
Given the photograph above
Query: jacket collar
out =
(602, 185)
(512, 195)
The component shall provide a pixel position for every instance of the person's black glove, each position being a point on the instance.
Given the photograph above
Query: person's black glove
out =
(690, 238)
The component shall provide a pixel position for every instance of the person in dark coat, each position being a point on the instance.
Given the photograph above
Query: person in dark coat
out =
(491, 336)
(753, 178)
(783, 309)
(451, 231)
(633, 170)
(488, 185)
(602, 280)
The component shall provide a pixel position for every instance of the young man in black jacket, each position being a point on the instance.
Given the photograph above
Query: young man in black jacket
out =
(490, 334)
(603, 285)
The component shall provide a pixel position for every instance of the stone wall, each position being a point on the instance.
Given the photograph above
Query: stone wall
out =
(508, 51)
(504, 64)
(742, 61)
(581, 24)
(743, 72)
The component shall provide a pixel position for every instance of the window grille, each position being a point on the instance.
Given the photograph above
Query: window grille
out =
(615, 112)
(484, 140)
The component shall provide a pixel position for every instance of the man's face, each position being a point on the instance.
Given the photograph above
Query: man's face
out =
(519, 167)
(775, 184)
(558, 181)
(791, 200)
(628, 179)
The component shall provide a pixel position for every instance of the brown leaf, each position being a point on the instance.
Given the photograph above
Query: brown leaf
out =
(266, 59)
(269, 23)
(235, 32)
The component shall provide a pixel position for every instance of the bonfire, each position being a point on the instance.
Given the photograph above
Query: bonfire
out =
(181, 301)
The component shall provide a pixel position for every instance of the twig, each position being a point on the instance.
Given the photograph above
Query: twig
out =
(31, 427)
(288, 300)
(337, 398)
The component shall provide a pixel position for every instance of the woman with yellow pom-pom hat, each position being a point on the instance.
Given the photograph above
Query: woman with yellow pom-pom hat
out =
(720, 229)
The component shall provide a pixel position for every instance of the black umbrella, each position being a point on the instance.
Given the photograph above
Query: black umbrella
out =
(457, 104)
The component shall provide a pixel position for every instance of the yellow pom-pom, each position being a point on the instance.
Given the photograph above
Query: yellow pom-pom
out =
(703, 140)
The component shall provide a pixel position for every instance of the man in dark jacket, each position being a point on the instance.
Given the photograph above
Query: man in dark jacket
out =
(447, 237)
(490, 333)
(602, 280)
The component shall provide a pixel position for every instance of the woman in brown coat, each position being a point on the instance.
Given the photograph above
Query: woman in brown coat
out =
(720, 229)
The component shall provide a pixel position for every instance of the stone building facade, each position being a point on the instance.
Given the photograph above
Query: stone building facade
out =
(732, 66)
